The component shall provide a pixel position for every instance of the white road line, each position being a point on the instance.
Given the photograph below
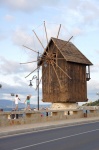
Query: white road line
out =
(66, 126)
(55, 139)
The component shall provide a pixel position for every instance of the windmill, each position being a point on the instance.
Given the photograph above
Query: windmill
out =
(65, 71)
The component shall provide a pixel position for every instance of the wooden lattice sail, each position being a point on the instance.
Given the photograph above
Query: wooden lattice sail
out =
(65, 72)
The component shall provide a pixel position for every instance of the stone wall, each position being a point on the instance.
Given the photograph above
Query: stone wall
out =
(29, 117)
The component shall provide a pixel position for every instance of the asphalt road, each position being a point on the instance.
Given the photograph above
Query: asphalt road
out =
(75, 137)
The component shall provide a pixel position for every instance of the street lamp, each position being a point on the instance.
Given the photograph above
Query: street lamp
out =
(34, 77)
(37, 84)
(37, 78)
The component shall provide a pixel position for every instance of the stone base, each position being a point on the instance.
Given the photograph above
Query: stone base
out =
(62, 106)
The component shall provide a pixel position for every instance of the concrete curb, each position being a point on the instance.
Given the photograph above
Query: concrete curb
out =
(53, 125)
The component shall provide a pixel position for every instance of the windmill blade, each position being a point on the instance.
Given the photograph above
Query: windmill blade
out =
(66, 43)
(62, 70)
(38, 39)
(30, 49)
(56, 74)
(57, 65)
(58, 31)
(29, 62)
(32, 72)
(46, 32)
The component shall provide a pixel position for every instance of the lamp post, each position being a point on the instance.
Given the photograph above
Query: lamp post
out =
(98, 94)
(37, 79)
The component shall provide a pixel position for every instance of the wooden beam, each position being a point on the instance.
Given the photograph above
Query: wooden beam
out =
(32, 72)
(38, 39)
(28, 62)
(62, 47)
(58, 31)
(62, 70)
(66, 43)
(30, 49)
(56, 74)
(46, 32)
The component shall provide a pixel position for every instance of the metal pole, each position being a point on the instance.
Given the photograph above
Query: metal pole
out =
(38, 81)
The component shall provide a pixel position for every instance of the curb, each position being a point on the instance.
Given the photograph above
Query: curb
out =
(33, 129)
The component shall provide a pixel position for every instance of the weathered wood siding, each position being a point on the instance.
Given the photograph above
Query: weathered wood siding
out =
(67, 90)
(77, 87)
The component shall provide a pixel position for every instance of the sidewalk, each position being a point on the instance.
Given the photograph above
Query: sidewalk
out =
(11, 130)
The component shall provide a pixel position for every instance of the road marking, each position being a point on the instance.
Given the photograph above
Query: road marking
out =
(40, 130)
(56, 139)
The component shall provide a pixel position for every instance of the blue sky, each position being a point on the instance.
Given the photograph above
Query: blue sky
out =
(79, 18)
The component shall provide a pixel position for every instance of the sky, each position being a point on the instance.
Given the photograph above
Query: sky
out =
(18, 19)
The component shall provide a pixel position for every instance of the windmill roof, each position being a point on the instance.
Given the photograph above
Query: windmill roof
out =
(70, 52)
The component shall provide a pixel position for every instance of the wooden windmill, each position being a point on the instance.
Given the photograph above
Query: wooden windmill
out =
(65, 72)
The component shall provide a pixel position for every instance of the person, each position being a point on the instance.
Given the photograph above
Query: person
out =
(16, 101)
(28, 102)
(46, 111)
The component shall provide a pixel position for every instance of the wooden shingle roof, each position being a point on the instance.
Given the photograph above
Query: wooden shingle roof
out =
(70, 52)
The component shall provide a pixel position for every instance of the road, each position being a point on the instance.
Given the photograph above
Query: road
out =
(75, 137)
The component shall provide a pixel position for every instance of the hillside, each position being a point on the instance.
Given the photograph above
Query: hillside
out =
(9, 104)
(95, 103)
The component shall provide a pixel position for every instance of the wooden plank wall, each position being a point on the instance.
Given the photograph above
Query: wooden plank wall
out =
(74, 90)
(77, 87)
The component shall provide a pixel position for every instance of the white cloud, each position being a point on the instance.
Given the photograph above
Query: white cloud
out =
(8, 67)
(9, 17)
(93, 88)
(2, 37)
(24, 5)
(20, 36)
(95, 68)
(22, 90)
(80, 14)
(77, 31)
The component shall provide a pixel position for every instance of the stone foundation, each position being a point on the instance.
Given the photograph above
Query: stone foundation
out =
(62, 106)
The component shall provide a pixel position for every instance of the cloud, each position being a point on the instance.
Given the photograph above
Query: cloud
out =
(2, 37)
(20, 36)
(24, 5)
(80, 14)
(22, 90)
(77, 31)
(93, 88)
(8, 67)
(95, 68)
(9, 17)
